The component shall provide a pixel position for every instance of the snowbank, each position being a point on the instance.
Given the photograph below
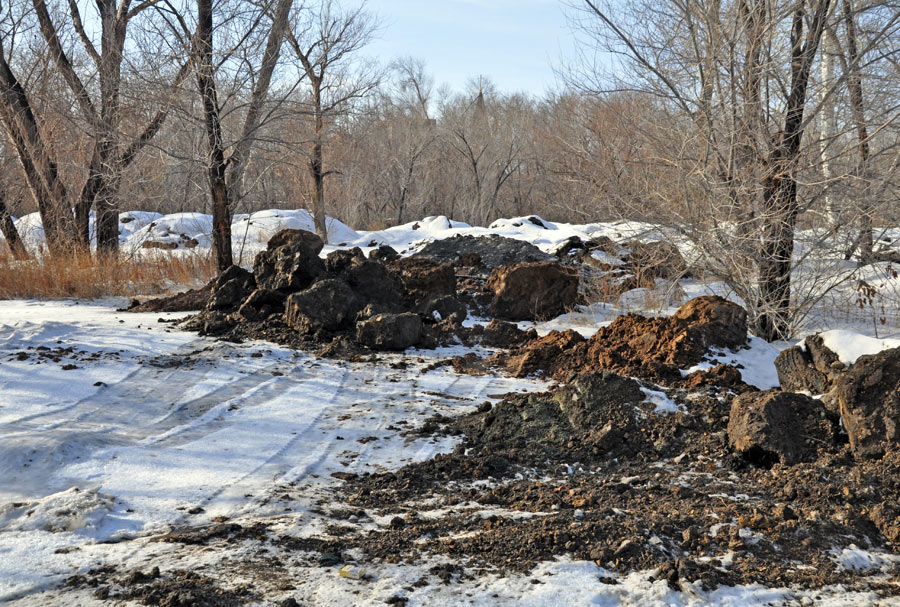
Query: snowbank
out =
(850, 345)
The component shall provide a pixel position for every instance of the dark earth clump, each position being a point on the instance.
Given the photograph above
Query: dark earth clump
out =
(493, 251)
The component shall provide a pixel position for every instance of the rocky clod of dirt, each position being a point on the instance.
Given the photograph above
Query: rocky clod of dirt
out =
(651, 348)
(390, 331)
(713, 321)
(772, 427)
(586, 419)
(492, 251)
(811, 368)
(231, 288)
(444, 307)
(423, 279)
(868, 397)
(327, 305)
(290, 263)
(533, 291)
(261, 304)
(297, 238)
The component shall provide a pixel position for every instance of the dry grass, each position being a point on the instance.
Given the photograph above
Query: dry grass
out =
(84, 277)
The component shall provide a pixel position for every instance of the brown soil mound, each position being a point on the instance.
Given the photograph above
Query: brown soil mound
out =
(651, 348)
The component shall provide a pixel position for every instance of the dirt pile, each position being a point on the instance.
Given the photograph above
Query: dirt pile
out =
(651, 348)
(533, 291)
(865, 395)
(598, 474)
(177, 588)
(342, 306)
(493, 251)
(868, 398)
(588, 418)
(189, 301)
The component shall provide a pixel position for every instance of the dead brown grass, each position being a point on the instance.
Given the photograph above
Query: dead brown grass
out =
(84, 277)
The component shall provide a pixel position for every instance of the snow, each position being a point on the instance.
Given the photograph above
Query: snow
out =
(250, 233)
(662, 401)
(853, 558)
(756, 363)
(181, 422)
(850, 345)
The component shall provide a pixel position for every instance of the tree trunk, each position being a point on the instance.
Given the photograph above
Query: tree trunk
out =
(318, 177)
(315, 163)
(10, 233)
(854, 85)
(112, 40)
(829, 128)
(216, 164)
(780, 206)
(780, 192)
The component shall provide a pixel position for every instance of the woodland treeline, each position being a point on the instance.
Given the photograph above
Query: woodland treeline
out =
(739, 124)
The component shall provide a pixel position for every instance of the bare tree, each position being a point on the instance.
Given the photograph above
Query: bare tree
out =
(25, 135)
(226, 163)
(489, 135)
(325, 41)
(733, 81)
(97, 95)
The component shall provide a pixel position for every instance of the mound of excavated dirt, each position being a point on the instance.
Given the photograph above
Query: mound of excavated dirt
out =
(493, 251)
(189, 301)
(598, 476)
(652, 348)
(344, 306)
(590, 417)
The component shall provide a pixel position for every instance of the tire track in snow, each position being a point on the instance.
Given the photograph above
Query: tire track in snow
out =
(143, 404)
(275, 466)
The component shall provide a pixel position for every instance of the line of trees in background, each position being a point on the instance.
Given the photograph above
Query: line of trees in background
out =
(736, 123)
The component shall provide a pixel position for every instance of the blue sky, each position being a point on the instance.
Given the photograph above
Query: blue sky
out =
(516, 43)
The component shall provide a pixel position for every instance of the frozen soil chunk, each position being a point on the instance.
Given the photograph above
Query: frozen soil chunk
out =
(772, 427)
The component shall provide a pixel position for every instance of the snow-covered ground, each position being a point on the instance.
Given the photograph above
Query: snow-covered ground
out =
(156, 422)
(115, 428)
(157, 428)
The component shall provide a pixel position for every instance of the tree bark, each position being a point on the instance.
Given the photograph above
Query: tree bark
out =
(10, 233)
(854, 86)
(315, 164)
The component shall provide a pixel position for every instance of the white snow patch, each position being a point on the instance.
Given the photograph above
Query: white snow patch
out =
(850, 345)
(69, 510)
(854, 558)
(756, 363)
(662, 401)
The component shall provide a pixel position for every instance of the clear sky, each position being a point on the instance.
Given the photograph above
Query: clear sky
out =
(517, 43)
